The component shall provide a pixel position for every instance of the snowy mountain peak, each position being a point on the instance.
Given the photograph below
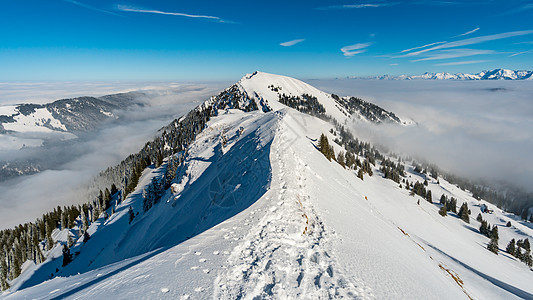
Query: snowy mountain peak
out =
(279, 91)
(496, 74)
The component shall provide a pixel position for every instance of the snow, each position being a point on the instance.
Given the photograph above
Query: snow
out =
(35, 122)
(259, 82)
(7, 110)
(268, 216)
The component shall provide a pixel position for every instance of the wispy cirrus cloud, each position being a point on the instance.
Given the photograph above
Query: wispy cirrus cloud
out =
(457, 63)
(470, 41)
(520, 53)
(468, 32)
(355, 6)
(127, 8)
(424, 46)
(87, 6)
(519, 9)
(354, 49)
(291, 43)
(454, 53)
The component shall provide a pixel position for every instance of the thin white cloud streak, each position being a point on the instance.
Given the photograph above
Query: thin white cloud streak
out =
(520, 53)
(425, 46)
(393, 64)
(520, 9)
(457, 63)
(160, 12)
(454, 53)
(291, 43)
(91, 7)
(471, 41)
(354, 49)
(355, 6)
(467, 33)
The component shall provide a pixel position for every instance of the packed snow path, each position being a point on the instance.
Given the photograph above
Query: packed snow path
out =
(287, 255)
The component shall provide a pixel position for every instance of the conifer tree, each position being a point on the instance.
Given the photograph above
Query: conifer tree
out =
(49, 240)
(131, 215)
(360, 174)
(443, 199)
(3, 274)
(442, 211)
(340, 159)
(511, 248)
(84, 221)
(86, 237)
(463, 213)
(479, 218)
(484, 229)
(429, 198)
(67, 257)
(493, 245)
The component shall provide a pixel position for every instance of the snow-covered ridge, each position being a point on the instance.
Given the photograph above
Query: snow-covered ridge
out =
(496, 74)
(254, 211)
(76, 114)
(277, 91)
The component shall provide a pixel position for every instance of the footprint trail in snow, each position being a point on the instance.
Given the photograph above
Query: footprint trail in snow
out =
(286, 255)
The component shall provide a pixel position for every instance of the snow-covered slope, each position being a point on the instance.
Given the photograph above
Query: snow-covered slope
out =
(257, 212)
(496, 74)
(280, 91)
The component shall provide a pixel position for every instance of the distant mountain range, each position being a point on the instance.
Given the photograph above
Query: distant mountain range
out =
(496, 74)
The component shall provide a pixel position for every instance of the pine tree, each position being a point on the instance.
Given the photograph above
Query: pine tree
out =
(84, 221)
(463, 213)
(107, 199)
(70, 241)
(49, 240)
(86, 237)
(494, 233)
(493, 245)
(323, 146)
(67, 257)
(131, 215)
(340, 159)
(350, 160)
(3, 274)
(484, 229)
(511, 248)
(443, 199)
(479, 218)
(360, 174)
(442, 211)
(428, 197)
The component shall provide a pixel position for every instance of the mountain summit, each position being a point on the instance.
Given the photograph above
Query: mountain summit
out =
(264, 192)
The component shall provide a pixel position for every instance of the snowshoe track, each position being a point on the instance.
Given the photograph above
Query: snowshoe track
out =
(286, 255)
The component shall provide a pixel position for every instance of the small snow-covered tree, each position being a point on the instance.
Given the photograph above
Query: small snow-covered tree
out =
(442, 211)
(67, 257)
(511, 248)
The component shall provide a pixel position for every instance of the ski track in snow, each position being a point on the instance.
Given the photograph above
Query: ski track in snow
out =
(287, 254)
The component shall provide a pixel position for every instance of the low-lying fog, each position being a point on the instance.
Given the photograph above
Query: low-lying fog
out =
(481, 129)
(26, 198)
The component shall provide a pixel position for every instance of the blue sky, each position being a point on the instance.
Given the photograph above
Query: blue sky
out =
(223, 40)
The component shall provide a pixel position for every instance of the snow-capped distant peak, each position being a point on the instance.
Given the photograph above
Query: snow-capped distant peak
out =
(496, 74)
